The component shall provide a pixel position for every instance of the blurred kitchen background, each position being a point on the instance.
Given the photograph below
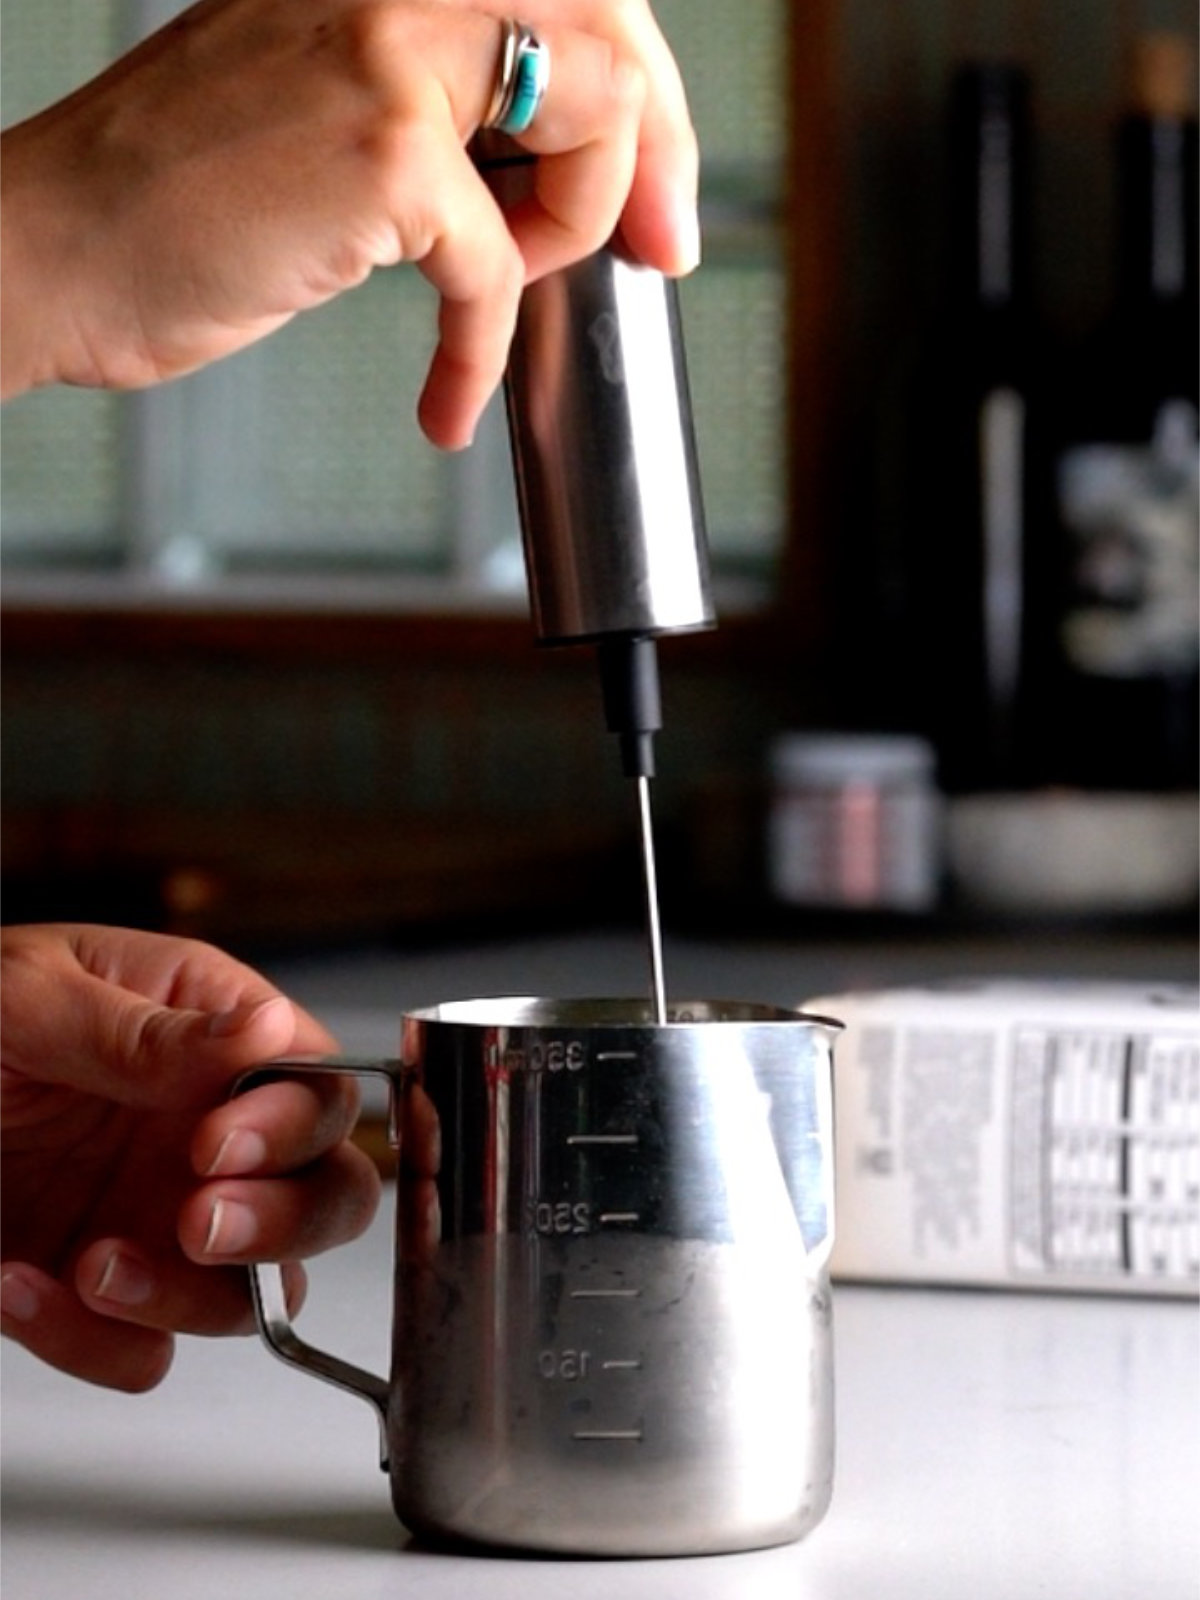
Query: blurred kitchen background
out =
(268, 671)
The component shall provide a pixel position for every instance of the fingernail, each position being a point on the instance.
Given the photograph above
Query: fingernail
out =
(295, 1287)
(240, 1151)
(687, 235)
(125, 1281)
(232, 1229)
(241, 1017)
(19, 1300)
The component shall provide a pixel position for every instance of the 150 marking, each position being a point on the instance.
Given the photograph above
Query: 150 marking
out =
(571, 1365)
(566, 1366)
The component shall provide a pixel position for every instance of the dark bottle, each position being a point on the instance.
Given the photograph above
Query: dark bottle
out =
(972, 549)
(1126, 481)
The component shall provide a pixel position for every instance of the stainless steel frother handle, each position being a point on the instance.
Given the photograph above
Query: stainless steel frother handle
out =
(604, 455)
(266, 1279)
(604, 451)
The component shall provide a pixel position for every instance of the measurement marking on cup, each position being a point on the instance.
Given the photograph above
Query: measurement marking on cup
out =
(619, 1216)
(605, 1294)
(602, 1138)
(608, 1435)
(620, 1366)
(616, 1055)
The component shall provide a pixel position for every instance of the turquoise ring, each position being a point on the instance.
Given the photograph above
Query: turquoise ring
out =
(521, 80)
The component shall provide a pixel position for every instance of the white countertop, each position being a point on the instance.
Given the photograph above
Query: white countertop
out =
(991, 1446)
(996, 1446)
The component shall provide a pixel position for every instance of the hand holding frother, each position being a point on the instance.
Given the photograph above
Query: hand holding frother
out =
(250, 160)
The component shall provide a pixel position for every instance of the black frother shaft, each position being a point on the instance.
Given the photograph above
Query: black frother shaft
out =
(632, 704)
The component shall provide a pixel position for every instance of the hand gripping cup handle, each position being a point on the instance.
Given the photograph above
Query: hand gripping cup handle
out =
(266, 1278)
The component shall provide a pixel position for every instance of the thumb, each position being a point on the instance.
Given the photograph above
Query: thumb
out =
(105, 1040)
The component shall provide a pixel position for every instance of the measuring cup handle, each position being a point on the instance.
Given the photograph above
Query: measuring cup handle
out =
(266, 1278)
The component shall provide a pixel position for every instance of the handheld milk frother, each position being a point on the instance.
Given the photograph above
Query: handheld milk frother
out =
(611, 1332)
(608, 488)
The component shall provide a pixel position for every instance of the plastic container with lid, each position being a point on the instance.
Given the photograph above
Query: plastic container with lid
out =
(854, 822)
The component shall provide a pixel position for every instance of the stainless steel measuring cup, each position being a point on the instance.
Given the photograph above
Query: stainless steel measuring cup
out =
(612, 1327)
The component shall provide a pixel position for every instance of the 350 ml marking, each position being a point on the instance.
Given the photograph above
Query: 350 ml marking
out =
(548, 1055)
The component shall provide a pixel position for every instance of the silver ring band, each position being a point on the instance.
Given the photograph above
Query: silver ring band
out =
(521, 79)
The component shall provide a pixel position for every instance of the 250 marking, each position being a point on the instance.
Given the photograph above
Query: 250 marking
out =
(560, 1216)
